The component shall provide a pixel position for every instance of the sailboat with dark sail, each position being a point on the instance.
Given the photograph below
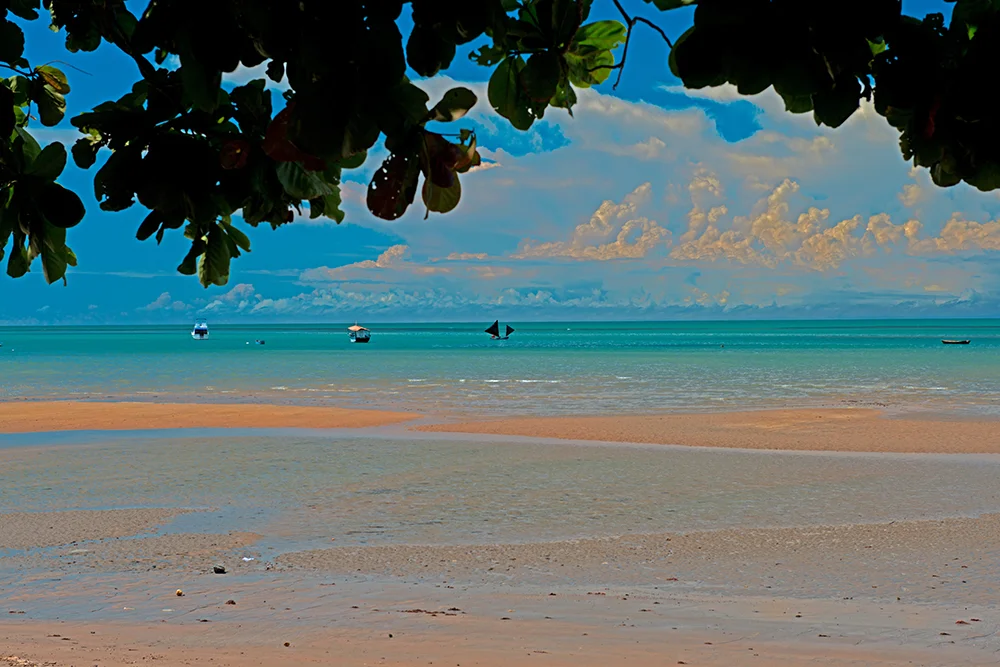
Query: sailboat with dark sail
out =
(494, 331)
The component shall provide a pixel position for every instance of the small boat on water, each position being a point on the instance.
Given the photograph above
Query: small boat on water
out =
(200, 330)
(494, 331)
(956, 342)
(359, 334)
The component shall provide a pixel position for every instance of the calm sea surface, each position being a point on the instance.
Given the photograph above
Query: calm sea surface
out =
(554, 368)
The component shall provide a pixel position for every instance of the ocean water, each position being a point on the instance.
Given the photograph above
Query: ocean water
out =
(553, 368)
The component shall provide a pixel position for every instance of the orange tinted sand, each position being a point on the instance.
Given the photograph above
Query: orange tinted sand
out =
(850, 430)
(600, 639)
(23, 417)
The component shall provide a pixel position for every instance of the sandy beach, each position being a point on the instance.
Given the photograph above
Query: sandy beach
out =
(800, 429)
(379, 548)
(829, 429)
(42, 416)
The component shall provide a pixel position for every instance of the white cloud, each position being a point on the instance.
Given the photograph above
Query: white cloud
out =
(164, 302)
(795, 215)
(634, 236)
(239, 299)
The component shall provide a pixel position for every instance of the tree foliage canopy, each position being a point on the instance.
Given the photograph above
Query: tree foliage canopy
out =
(194, 153)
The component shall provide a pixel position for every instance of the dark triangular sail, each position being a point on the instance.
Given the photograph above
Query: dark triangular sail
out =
(510, 330)
(494, 329)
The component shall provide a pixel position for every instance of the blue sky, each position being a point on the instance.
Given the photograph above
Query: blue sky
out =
(652, 202)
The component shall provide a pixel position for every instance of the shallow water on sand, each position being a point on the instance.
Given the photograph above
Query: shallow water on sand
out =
(302, 491)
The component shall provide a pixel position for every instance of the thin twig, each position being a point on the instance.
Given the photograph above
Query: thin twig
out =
(630, 22)
(621, 70)
(14, 69)
(63, 62)
(655, 27)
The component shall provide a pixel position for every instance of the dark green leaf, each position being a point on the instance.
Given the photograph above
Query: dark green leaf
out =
(27, 145)
(427, 52)
(189, 266)
(114, 182)
(213, 268)
(54, 254)
(51, 106)
(26, 9)
(7, 220)
(833, 107)
(85, 152)
(50, 162)
(276, 71)
(589, 70)
(798, 103)
(149, 225)
(507, 95)
(21, 87)
(328, 206)
(697, 60)
(441, 200)
(239, 238)
(17, 263)
(354, 161)
(541, 76)
(454, 105)
(201, 83)
(405, 106)
(300, 183)
(598, 36)
(11, 44)
(488, 55)
(60, 206)
(126, 22)
(253, 106)
(565, 97)
(7, 118)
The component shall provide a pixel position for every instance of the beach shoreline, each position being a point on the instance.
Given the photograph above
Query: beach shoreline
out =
(49, 416)
(801, 429)
(854, 429)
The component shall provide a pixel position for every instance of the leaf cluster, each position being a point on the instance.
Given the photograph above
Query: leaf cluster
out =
(196, 153)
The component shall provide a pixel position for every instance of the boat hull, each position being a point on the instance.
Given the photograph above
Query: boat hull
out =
(956, 342)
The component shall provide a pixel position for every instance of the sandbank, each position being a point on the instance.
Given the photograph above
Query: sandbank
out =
(847, 430)
(26, 530)
(27, 416)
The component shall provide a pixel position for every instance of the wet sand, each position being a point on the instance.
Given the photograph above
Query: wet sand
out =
(846, 430)
(568, 630)
(27, 416)
(822, 429)
(97, 586)
(26, 530)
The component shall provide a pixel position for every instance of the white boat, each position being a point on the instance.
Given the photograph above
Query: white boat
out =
(200, 330)
(359, 334)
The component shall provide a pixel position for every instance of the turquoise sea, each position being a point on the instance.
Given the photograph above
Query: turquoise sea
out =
(549, 368)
